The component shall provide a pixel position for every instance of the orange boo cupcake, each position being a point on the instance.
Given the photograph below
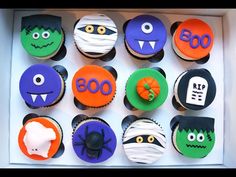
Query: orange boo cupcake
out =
(94, 86)
(193, 39)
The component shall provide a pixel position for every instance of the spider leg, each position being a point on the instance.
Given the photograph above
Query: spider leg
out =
(86, 131)
(107, 148)
(82, 152)
(107, 141)
(80, 137)
(99, 154)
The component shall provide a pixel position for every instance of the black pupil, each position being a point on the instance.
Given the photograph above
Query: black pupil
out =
(46, 34)
(201, 137)
(38, 79)
(36, 35)
(191, 137)
(101, 29)
(89, 28)
(147, 27)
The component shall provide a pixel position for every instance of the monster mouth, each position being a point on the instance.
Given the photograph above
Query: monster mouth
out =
(40, 47)
(152, 43)
(195, 146)
(42, 95)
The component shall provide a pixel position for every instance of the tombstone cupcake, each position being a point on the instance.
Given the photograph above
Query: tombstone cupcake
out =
(42, 36)
(192, 40)
(145, 37)
(143, 140)
(42, 86)
(95, 36)
(93, 139)
(40, 138)
(146, 89)
(193, 137)
(194, 89)
(94, 86)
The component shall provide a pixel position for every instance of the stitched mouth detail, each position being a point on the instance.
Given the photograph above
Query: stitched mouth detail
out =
(195, 146)
(43, 46)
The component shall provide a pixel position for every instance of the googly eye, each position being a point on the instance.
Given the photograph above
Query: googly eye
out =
(101, 29)
(45, 34)
(139, 139)
(35, 35)
(200, 137)
(89, 28)
(147, 27)
(191, 137)
(151, 139)
(38, 79)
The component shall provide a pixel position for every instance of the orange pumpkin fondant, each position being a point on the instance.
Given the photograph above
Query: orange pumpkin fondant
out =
(148, 88)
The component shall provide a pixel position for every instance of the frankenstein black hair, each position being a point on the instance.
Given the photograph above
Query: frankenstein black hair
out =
(41, 21)
(191, 122)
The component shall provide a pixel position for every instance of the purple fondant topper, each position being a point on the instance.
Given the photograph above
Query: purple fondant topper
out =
(94, 141)
(40, 85)
(146, 34)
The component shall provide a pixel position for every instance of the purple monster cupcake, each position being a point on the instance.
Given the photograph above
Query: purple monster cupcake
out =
(93, 139)
(42, 86)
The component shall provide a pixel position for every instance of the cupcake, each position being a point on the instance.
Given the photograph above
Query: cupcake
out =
(95, 35)
(143, 140)
(94, 86)
(193, 137)
(42, 86)
(93, 140)
(145, 36)
(146, 89)
(192, 40)
(42, 36)
(194, 89)
(40, 138)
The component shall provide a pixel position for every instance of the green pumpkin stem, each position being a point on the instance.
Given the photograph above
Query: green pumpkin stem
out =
(151, 95)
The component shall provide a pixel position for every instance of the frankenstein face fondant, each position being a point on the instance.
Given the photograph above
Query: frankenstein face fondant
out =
(95, 35)
(145, 35)
(42, 35)
(41, 85)
(193, 136)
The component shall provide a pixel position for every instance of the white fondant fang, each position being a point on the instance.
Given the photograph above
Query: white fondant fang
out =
(152, 43)
(44, 96)
(34, 97)
(141, 44)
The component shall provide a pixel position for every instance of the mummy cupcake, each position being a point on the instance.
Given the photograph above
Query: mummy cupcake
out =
(93, 139)
(40, 138)
(94, 86)
(193, 137)
(146, 89)
(192, 40)
(42, 36)
(95, 35)
(42, 86)
(194, 89)
(145, 36)
(144, 140)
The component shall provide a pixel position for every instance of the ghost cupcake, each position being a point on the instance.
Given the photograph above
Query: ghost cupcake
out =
(194, 89)
(40, 138)
(94, 86)
(42, 36)
(143, 140)
(95, 35)
(192, 40)
(42, 85)
(145, 36)
(193, 137)
(93, 140)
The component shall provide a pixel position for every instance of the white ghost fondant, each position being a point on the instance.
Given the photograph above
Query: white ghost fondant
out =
(197, 91)
(38, 138)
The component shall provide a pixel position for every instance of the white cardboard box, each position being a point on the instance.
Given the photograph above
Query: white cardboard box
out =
(227, 16)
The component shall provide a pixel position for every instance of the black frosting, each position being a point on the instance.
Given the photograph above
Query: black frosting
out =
(41, 21)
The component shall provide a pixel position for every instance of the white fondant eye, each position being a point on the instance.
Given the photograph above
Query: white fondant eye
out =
(191, 137)
(200, 137)
(38, 79)
(45, 34)
(147, 27)
(35, 35)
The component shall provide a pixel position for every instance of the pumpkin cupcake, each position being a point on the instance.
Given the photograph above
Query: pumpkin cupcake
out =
(146, 89)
